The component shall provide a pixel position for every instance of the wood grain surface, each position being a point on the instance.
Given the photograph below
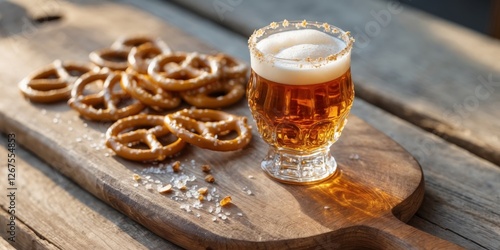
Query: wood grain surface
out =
(432, 73)
(461, 192)
(359, 202)
(54, 213)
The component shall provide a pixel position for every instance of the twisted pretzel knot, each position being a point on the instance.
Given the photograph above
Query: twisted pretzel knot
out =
(140, 57)
(53, 82)
(105, 104)
(115, 59)
(129, 42)
(183, 71)
(221, 93)
(141, 88)
(128, 132)
(230, 67)
(202, 128)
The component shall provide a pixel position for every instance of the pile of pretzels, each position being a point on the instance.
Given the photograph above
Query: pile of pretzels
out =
(141, 73)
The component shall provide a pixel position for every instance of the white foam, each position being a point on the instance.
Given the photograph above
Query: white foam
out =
(296, 55)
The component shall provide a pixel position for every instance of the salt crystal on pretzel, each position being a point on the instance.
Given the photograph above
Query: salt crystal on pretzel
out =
(227, 91)
(108, 103)
(129, 42)
(127, 132)
(115, 59)
(141, 56)
(205, 127)
(231, 67)
(53, 82)
(143, 89)
(181, 71)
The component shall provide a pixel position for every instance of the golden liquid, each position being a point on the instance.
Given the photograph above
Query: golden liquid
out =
(300, 117)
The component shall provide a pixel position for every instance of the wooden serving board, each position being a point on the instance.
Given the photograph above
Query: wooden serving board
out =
(379, 185)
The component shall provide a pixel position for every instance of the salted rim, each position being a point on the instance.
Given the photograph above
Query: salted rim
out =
(287, 26)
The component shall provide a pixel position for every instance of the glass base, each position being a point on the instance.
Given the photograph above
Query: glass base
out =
(290, 167)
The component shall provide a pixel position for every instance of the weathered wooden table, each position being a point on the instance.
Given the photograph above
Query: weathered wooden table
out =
(431, 86)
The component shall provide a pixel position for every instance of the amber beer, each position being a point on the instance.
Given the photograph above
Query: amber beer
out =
(300, 117)
(300, 93)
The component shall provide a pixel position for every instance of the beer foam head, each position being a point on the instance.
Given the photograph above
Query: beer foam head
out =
(304, 53)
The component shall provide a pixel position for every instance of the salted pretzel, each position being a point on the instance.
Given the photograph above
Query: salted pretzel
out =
(143, 89)
(219, 94)
(126, 135)
(115, 59)
(230, 67)
(203, 127)
(53, 82)
(140, 57)
(181, 71)
(109, 103)
(129, 42)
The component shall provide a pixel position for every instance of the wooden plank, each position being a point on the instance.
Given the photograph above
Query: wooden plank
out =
(5, 245)
(52, 212)
(495, 19)
(474, 177)
(72, 146)
(438, 210)
(437, 75)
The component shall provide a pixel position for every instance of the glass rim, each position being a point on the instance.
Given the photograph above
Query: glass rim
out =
(286, 25)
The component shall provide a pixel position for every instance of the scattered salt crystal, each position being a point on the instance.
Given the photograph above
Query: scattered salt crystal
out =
(239, 214)
(149, 187)
(214, 218)
(354, 157)
(218, 210)
(251, 177)
(223, 217)
(136, 184)
(78, 139)
(326, 207)
(249, 192)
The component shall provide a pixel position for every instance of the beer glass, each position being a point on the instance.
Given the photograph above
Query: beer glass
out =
(300, 93)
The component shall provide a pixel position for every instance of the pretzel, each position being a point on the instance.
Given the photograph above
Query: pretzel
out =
(140, 57)
(231, 68)
(230, 90)
(202, 127)
(181, 71)
(115, 59)
(141, 88)
(126, 134)
(103, 105)
(53, 82)
(129, 42)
